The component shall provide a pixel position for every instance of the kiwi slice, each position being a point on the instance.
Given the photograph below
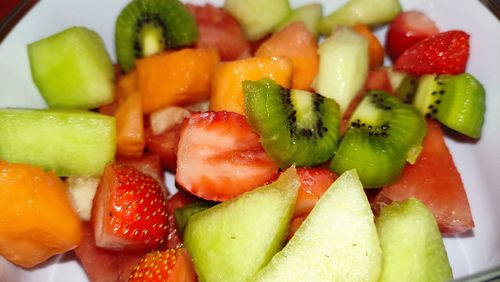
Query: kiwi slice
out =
(384, 133)
(147, 27)
(457, 101)
(295, 126)
(404, 85)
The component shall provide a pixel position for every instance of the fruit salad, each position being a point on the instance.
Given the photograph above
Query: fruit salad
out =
(298, 155)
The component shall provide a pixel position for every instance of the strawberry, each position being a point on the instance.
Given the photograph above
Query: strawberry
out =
(179, 200)
(149, 163)
(314, 182)
(220, 157)
(165, 145)
(443, 53)
(172, 265)
(406, 30)
(129, 210)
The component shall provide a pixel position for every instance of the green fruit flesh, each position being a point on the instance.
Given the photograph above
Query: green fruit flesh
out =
(369, 12)
(296, 127)
(147, 27)
(234, 240)
(69, 142)
(182, 215)
(343, 66)
(412, 246)
(258, 17)
(404, 85)
(384, 133)
(337, 242)
(457, 101)
(309, 14)
(72, 69)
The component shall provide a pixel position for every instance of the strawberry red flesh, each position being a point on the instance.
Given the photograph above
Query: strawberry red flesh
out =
(407, 29)
(129, 210)
(443, 53)
(220, 157)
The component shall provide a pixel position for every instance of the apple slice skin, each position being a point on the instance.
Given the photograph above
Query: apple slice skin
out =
(235, 239)
(338, 241)
(412, 245)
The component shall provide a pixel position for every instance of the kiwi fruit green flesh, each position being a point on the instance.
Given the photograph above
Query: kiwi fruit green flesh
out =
(368, 12)
(384, 133)
(68, 142)
(309, 14)
(412, 247)
(183, 214)
(147, 27)
(457, 101)
(233, 240)
(338, 240)
(72, 69)
(295, 126)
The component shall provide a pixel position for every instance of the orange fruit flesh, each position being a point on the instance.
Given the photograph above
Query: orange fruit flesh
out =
(37, 220)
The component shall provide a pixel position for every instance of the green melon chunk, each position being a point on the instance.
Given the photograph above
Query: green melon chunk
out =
(337, 242)
(69, 142)
(309, 14)
(412, 247)
(258, 17)
(235, 239)
(369, 12)
(72, 69)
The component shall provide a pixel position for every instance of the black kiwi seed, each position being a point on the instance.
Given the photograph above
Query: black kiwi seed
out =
(147, 27)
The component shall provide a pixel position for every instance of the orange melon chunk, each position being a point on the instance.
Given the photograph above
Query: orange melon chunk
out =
(227, 93)
(130, 136)
(37, 220)
(175, 78)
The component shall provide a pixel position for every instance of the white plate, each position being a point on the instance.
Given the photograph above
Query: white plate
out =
(479, 163)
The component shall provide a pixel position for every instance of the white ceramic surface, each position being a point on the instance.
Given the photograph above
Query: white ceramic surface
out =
(479, 162)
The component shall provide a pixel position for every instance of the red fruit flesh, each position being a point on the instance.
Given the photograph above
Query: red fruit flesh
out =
(128, 211)
(165, 145)
(314, 182)
(434, 180)
(443, 53)
(179, 200)
(149, 163)
(220, 157)
(407, 29)
(221, 31)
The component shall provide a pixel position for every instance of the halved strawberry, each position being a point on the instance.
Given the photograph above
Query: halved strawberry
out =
(314, 182)
(129, 210)
(406, 30)
(172, 265)
(179, 200)
(220, 157)
(443, 53)
(221, 31)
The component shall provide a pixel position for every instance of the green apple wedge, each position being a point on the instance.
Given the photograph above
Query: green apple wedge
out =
(411, 243)
(337, 242)
(235, 239)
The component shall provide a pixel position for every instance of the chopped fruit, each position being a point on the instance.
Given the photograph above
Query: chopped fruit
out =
(220, 30)
(34, 204)
(148, 163)
(175, 78)
(378, 79)
(104, 265)
(68, 142)
(407, 29)
(227, 93)
(375, 49)
(232, 241)
(220, 157)
(167, 118)
(82, 190)
(183, 214)
(72, 69)
(336, 242)
(296, 42)
(295, 224)
(314, 182)
(435, 181)
(165, 145)
(309, 14)
(443, 53)
(172, 265)
(258, 17)
(412, 247)
(177, 201)
(125, 86)
(129, 211)
(130, 139)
